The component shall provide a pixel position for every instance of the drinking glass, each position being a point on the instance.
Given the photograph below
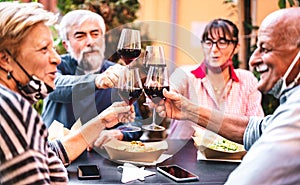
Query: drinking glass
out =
(157, 80)
(129, 89)
(129, 46)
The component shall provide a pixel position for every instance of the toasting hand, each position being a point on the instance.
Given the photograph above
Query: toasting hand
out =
(117, 112)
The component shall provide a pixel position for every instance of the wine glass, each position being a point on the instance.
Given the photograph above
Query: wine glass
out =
(129, 46)
(157, 80)
(129, 89)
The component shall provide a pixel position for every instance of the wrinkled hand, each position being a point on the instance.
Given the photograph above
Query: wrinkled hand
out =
(117, 112)
(109, 78)
(107, 135)
(175, 106)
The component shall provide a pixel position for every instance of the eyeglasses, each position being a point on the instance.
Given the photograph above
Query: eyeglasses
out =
(221, 43)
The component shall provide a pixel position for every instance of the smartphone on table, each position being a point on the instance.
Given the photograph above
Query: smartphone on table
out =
(86, 172)
(177, 173)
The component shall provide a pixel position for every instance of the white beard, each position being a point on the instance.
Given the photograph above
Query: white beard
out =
(91, 62)
(90, 59)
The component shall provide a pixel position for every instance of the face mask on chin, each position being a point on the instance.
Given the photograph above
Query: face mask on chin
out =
(35, 89)
(280, 86)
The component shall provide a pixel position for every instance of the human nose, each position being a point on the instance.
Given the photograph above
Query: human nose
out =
(90, 40)
(254, 58)
(55, 58)
(214, 47)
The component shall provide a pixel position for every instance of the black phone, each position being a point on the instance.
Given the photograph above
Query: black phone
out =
(88, 172)
(177, 173)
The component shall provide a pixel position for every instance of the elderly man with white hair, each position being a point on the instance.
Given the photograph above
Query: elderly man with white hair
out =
(85, 77)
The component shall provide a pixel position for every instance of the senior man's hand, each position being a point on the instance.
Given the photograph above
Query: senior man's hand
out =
(109, 78)
(174, 106)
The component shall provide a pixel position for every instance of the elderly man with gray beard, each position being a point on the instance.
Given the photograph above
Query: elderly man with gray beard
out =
(85, 79)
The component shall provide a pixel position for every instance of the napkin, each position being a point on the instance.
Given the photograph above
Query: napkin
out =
(131, 173)
(57, 129)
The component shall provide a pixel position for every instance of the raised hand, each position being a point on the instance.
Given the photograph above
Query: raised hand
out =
(175, 106)
(117, 112)
(109, 78)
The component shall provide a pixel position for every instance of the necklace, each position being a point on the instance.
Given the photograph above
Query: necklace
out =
(218, 91)
(220, 83)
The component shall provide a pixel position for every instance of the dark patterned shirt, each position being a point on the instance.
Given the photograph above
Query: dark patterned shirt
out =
(25, 154)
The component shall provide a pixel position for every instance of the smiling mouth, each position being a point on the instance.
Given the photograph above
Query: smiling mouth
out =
(261, 68)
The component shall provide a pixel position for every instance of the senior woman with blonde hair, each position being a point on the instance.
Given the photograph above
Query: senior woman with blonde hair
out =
(28, 64)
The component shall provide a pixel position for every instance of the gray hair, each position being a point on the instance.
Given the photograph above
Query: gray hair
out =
(16, 21)
(77, 17)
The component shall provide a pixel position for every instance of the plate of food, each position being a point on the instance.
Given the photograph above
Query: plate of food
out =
(135, 151)
(215, 147)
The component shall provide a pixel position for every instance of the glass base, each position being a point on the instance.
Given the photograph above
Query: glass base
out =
(129, 128)
(153, 127)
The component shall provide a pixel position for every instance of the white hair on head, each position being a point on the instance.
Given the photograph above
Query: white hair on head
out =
(77, 17)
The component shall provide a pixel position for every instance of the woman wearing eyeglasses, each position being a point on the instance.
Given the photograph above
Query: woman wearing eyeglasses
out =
(215, 83)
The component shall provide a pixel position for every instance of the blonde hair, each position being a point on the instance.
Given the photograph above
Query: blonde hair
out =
(17, 19)
(77, 17)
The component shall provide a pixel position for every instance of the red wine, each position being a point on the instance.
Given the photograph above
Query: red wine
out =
(128, 55)
(130, 95)
(155, 93)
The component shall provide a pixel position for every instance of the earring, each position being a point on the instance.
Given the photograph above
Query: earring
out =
(8, 75)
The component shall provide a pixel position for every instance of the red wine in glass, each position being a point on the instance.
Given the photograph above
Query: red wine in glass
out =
(128, 55)
(129, 45)
(157, 80)
(129, 89)
(130, 96)
(155, 93)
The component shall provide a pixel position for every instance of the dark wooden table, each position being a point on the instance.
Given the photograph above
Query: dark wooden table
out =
(185, 155)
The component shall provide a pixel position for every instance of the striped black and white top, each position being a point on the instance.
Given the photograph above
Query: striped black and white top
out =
(26, 155)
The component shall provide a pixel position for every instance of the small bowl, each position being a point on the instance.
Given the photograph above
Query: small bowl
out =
(115, 150)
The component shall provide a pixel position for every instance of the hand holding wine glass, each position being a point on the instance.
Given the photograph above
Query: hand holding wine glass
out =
(157, 79)
(129, 89)
(129, 46)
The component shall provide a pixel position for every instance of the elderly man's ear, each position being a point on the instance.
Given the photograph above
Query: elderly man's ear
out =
(65, 44)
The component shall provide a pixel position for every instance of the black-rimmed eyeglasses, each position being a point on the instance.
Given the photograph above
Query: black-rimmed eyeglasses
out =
(221, 43)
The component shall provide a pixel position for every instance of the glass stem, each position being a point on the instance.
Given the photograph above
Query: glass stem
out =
(154, 117)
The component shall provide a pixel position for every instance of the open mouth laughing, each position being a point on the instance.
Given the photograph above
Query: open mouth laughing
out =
(261, 68)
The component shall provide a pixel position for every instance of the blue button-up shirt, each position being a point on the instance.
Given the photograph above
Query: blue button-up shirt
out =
(77, 97)
(273, 146)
